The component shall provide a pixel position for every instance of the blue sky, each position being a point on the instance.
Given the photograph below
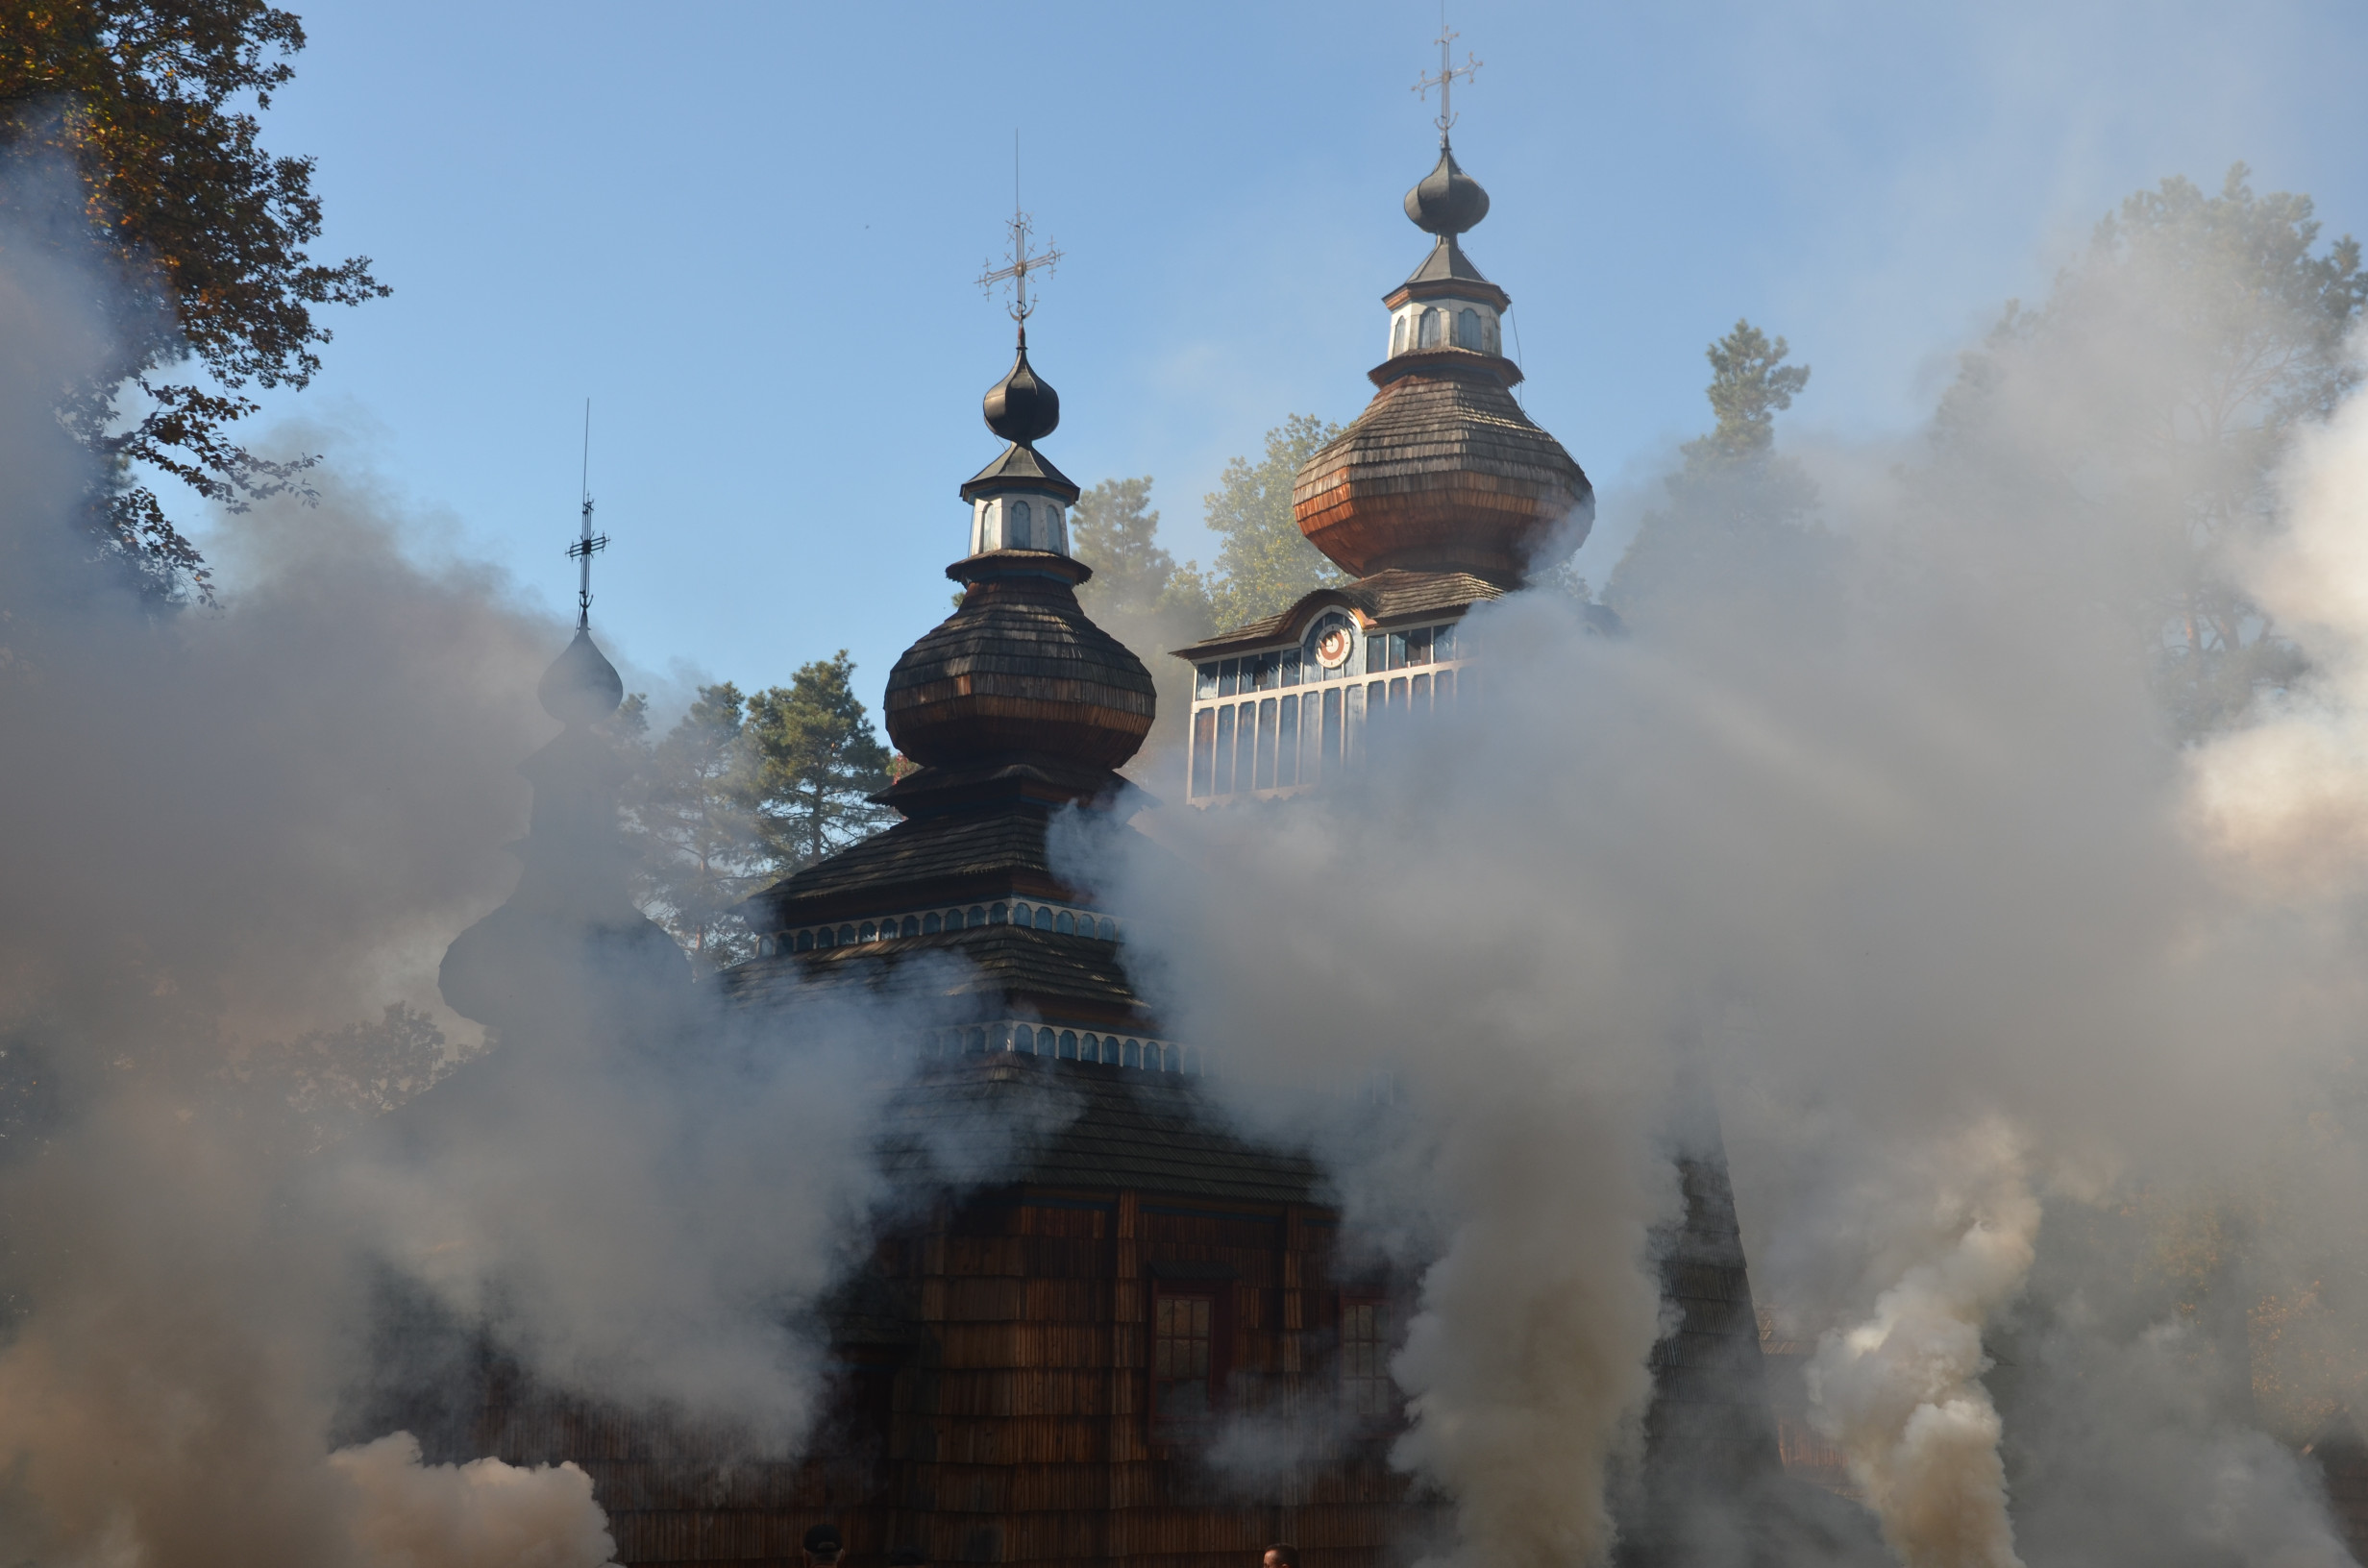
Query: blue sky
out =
(748, 233)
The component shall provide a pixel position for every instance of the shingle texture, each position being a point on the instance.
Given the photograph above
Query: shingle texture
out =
(1053, 1123)
(1443, 472)
(950, 858)
(1019, 669)
(982, 973)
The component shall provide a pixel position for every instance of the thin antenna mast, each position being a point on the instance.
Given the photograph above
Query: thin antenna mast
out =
(586, 546)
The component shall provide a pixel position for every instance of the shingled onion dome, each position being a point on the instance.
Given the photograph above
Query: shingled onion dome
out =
(1443, 472)
(1019, 673)
(581, 687)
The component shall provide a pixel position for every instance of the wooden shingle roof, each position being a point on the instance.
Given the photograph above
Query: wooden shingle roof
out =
(1073, 1124)
(1441, 473)
(982, 972)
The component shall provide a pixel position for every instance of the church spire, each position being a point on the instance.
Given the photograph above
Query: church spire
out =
(1443, 472)
(1019, 676)
(1018, 501)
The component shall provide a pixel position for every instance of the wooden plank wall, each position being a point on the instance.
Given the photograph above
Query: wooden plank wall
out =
(1031, 1441)
(1016, 1430)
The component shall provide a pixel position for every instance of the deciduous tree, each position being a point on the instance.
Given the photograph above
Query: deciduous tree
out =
(201, 232)
(2187, 345)
(1265, 562)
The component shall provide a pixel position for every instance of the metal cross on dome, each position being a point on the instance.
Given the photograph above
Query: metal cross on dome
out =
(589, 545)
(1021, 263)
(1445, 81)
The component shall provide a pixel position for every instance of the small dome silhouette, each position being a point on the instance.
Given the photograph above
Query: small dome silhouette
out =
(581, 687)
(1022, 405)
(1448, 201)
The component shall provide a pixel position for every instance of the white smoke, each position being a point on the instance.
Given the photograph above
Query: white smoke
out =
(1901, 1392)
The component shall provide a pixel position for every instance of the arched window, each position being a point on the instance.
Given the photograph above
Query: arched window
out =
(1068, 1044)
(1024, 1040)
(1495, 336)
(1467, 328)
(929, 924)
(868, 933)
(979, 916)
(1051, 533)
(1434, 328)
(912, 926)
(1063, 924)
(1166, 1059)
(805, 942)
(1043, 919)
(1397, 336)
(990, 526)
(998, 915)
(1018, 915)
(847, 935)
(1134, 1054)
(1109, 930)
(1089, 1048)
(1015, 533)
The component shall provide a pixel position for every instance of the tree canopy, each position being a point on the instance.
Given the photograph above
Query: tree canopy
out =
(1140, 595)
(1733, 501)
(743, 790)
(2193, 339)
(1265, 562)
(202, 238)
(816, 762)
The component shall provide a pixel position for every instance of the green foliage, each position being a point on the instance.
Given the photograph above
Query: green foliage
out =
(1140, 595)
(695, 824)
(178, 198)
(1735, 506)
(743, 790)
(2192, 340)
(336, 1077)
(815, 760)
(1266, 563)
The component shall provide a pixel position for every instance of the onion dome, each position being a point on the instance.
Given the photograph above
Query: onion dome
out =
(1019, 672)
(581, 687)
(1022, 408)
(1443, 472)
(1446, 201)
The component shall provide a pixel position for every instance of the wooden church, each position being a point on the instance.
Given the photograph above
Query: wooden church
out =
(1037, 1361)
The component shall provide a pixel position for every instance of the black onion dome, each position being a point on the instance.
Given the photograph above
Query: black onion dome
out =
(1448, 201)
(581, 687)
(1019, 671)
(1023, 406)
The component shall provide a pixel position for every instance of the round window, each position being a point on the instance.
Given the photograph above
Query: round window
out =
(1333, 645)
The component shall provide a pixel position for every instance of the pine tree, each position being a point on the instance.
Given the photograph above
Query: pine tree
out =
(696, 822)
(815, 762)
(1140, 595)
(1734, 505)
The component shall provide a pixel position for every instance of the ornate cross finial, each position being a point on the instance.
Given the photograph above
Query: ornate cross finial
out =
(1445, 81)
(586, 547)
(1021, 262)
